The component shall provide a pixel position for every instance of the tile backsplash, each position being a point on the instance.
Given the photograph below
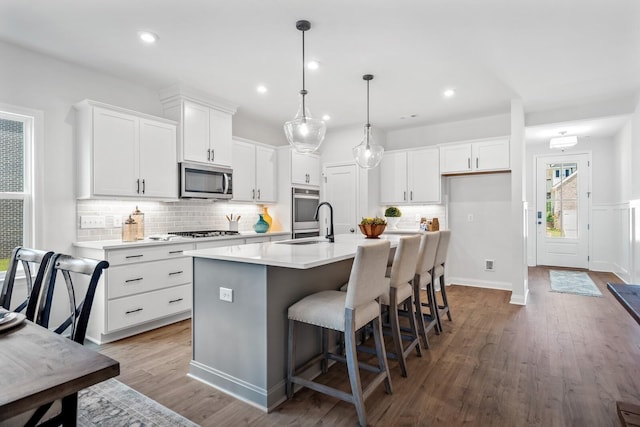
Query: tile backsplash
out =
(163, 217)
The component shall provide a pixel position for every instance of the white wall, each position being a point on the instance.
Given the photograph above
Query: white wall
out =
(35, 81)
(482, 127)
(255, 129)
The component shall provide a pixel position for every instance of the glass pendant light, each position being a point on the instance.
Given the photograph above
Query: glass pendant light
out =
(368, 154)
(304, 133)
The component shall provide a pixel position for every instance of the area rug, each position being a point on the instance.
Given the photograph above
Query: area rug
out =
(111, 403)
(573, 282)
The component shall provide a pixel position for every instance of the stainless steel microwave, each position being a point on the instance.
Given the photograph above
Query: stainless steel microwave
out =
(205, 182)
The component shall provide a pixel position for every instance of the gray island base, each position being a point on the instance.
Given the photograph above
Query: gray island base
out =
(240, 347)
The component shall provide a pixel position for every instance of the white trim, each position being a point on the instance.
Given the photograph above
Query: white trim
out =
(475, 283)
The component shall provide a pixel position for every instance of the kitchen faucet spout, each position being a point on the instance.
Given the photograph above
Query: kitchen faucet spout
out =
(330, 232)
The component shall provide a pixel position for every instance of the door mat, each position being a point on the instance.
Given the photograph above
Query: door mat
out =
(573, 282)
(111, 403)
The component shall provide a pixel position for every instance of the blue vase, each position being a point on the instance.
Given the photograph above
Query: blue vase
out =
(261, 226)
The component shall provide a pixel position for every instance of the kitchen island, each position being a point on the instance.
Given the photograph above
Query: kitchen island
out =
(240, 346)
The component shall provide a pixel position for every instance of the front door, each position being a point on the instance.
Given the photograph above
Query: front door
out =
(562, 210)
(340, 189)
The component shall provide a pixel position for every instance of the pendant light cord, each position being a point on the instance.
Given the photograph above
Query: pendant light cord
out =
(303, 92)
(368, 124)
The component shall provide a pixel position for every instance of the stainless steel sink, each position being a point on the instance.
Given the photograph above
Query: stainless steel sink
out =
(301, 242)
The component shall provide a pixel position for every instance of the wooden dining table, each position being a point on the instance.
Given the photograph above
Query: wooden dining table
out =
(629, 297)
(38, 366)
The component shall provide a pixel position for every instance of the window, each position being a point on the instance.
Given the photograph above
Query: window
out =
(16, 183)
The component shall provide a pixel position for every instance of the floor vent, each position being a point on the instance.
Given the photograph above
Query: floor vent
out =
(488, 264)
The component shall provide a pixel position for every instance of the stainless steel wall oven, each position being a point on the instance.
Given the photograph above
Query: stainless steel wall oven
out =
(304, 203)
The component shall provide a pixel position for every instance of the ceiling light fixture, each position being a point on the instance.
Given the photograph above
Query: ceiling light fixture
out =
(304, 133)
(561, 142)
(326, 117)
(262, 89)
(449, 93)
(368, 154)
(148, 36)
(313, 65)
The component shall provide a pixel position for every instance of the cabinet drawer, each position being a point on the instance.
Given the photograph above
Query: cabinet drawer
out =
(141, 254)
(136, 309)
(132, 279)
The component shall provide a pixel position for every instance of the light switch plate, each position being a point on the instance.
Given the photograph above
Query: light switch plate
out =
(226, 294)
(92, 221)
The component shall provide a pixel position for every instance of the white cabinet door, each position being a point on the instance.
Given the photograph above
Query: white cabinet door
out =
(115, 153)
(393, 178)
(244, 171)
(491, 154)
(424, 175)
(158, 163)
(265, 161)
(220, 137)
(455, 158)
(305, 169)
(195, 133)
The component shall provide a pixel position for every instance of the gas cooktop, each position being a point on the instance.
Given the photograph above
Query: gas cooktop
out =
(205, 233)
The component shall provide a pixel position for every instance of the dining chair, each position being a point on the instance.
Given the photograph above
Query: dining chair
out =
(438, 277)
(28, 259)
(423, 279)
(74, 272)
(345, 312)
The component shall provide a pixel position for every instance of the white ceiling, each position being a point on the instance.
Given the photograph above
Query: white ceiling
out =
(551, 53)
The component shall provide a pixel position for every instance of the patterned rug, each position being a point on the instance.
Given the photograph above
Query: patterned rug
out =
(111, 404)
(573, 282)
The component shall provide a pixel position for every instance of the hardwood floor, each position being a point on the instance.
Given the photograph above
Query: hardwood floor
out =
(563, 360)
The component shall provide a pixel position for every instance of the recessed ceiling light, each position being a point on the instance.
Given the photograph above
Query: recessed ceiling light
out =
(326, 117)
(148, 36)
(313, 65)
(449, 93)
(261, 89)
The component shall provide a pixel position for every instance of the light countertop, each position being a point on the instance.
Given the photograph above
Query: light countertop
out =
(119, 244)
(300, 256)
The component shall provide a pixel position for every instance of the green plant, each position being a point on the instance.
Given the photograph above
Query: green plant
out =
(373, 221)
(392, 212)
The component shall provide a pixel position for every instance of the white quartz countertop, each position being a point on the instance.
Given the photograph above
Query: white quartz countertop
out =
(119, 244)
(298, 255)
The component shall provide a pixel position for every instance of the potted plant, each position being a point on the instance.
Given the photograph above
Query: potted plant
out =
(372, 227)
(392, 214)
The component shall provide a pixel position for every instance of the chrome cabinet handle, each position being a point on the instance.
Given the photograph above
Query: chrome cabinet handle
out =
(133, 311)
(173, 273)
(175, 300)
(134, 280)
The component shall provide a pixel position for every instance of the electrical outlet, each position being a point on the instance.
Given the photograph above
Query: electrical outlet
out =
(470, 218)
(117, 221)
(226, 294)
(417, 217)
(91, 221)
(488, 264)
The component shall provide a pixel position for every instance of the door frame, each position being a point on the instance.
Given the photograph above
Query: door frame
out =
(535, 198)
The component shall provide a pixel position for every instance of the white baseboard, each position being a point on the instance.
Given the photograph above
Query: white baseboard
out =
(505, 286)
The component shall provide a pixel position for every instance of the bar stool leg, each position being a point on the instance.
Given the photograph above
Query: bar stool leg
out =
(419, 317)
(444, 297)
(412, 322)
(395, 332)
(354, 373)
(433, 306)
(291, 347)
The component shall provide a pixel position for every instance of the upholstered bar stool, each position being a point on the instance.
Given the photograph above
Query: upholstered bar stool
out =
(438, 275)
(423, 279)
(400, 295)
(345, 312)
(29, 259)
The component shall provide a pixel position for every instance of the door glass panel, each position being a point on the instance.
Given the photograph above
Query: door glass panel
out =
(562, 200)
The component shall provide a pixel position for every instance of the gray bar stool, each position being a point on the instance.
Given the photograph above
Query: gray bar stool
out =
(400, 294)
(438, 274)
(423, 279)
(345, 312)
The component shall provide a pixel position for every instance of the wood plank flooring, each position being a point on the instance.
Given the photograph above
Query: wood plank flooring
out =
(563, 360)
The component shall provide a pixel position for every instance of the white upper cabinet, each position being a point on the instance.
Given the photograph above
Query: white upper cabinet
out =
(254, 172)
(204, 125)
(410, 176)
(305, 169)
(122, 153)
(486, 155)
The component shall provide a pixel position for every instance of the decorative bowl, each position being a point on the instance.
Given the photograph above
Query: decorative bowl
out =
(372, 231)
